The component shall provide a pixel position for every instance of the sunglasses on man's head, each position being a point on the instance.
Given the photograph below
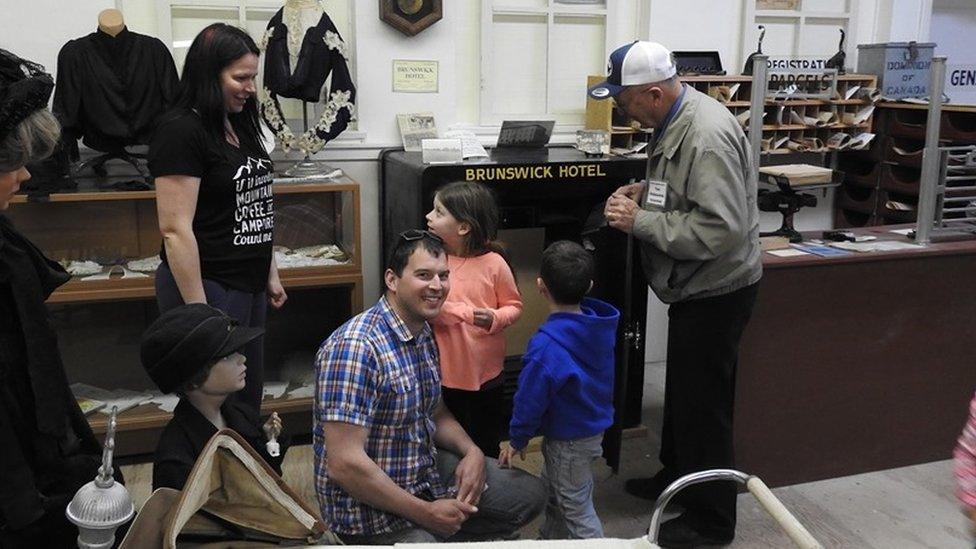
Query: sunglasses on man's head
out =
(417, 234)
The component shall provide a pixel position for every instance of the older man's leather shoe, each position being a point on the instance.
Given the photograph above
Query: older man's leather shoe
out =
(677, 533)
(651, 488)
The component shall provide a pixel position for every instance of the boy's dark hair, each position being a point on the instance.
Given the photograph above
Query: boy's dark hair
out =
(406, 243)
(567, 269)
(197, 380)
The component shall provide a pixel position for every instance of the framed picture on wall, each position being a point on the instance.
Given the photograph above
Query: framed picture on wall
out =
(411, 16)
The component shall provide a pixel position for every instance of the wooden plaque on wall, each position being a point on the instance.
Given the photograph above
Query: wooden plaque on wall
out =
(411, 16)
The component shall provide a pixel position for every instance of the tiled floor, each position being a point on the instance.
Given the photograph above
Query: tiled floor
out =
(911, 507)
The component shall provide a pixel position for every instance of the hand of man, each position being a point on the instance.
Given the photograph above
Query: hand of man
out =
(469, 476)
(632, 191)
(621, 211)
(484, 318)
(445, 516)
(508, 453)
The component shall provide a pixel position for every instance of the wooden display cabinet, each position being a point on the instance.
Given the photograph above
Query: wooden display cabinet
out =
(99, 321)
(600, 114)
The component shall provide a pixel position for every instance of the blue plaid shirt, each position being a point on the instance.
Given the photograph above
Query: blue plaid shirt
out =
(374, 373)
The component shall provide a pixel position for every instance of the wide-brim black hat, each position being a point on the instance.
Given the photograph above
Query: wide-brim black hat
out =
(24, 89)
(184, 340)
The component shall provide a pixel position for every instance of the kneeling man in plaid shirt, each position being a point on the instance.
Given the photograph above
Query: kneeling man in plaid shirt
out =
(392, 465)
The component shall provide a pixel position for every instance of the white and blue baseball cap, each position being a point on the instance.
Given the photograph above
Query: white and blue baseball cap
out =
(633, 64)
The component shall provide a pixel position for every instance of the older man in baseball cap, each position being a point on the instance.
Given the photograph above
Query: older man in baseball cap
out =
(697, 222)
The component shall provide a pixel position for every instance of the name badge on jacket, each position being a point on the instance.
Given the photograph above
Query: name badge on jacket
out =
(657, 193)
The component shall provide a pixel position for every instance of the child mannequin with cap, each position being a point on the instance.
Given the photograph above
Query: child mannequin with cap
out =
(193, 351)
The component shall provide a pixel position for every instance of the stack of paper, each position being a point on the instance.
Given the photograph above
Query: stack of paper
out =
(875, 246)
(470, 146)
(799, 175)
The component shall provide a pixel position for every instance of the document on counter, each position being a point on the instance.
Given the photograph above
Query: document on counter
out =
(470, 146)
(786, 252)
(892, 245)
(822, 251)
(875, 246)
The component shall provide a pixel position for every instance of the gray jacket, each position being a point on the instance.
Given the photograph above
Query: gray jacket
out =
(705, 240)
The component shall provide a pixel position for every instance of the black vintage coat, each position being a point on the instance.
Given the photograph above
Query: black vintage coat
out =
(48, 450)
(111, 89)
(188, 433)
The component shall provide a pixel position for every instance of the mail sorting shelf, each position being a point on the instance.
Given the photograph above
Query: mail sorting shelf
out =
(955, 192)
(893, 163)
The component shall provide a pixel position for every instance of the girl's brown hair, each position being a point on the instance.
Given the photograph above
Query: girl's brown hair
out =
(474, 204)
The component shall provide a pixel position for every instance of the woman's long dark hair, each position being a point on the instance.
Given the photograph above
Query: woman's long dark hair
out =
(213, 50)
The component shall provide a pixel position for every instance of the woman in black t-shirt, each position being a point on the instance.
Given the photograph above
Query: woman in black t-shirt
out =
(214, 194)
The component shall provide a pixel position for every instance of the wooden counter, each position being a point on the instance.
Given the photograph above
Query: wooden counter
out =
(857, 363)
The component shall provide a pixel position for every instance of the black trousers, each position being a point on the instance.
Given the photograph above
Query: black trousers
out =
(480, 413)
(699, 395)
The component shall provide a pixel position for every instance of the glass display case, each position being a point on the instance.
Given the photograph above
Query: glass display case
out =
(109, 240)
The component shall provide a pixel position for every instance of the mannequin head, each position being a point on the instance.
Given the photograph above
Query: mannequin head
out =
(110, 22)
(218, 50)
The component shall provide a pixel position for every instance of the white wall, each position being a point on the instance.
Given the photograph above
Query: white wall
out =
(699, 25)
(39, 28)
(953, 30)
(909, 20)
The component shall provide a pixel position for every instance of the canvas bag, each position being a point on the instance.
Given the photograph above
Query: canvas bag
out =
(231, 496)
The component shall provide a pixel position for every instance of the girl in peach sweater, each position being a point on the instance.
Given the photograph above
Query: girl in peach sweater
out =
(483, 300)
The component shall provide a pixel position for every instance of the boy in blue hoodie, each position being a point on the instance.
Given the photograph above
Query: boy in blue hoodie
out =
(565, 391)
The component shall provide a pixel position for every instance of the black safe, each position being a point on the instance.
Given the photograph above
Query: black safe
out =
(543, 195)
